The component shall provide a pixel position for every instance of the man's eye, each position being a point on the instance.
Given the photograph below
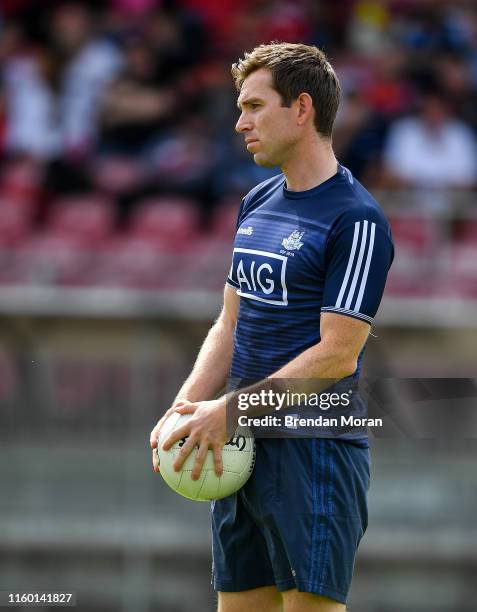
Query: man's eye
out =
(254, 105)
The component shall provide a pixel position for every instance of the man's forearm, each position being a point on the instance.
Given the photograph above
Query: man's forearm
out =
(320, 361)
(212, 366)
(313, 371)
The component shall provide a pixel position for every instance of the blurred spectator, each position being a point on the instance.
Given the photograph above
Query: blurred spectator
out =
(375, 92)
(92, 61)
(177, 39)
(186, 161)
(134, 106)
(51, 91)
(432, 149)
(359, 136)
(454, 76)
(388, 92)
(31, 125)
(155, 86)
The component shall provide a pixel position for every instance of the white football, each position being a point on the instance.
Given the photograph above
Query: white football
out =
(238, 457)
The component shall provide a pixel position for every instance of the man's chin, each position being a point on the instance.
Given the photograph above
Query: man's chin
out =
(263, 161)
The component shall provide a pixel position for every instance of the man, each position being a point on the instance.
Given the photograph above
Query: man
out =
(431, 150)
(311, 256)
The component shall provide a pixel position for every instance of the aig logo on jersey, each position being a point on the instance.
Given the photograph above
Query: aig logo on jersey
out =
(261, 275)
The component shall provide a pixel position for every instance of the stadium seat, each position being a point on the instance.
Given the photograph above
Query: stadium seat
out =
(209, 267)
(15, 227)
(62, 254)
(89, 219)
(169, 222)
(129, 261)
(416, 268)
(21, 184)
(224, 219)
(118, 174)
(15, 224)
(52, 259)
(414, 232)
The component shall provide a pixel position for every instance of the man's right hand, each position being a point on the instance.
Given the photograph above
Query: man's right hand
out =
(155, 432)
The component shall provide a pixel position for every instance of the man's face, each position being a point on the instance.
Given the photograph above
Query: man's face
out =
(270, 129)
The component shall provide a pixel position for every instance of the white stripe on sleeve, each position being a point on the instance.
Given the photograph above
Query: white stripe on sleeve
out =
(362, 287)
(350, 264)
(357, 268)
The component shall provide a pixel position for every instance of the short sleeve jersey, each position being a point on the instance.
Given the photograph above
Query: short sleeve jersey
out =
(298, 254)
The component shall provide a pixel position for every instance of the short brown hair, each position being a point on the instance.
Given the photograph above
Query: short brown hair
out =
(296, 68)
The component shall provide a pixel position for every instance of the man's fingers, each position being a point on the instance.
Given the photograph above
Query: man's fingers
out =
(187, 408)
(218, 465)
(177, 434)
(177, 407)
(153, 438)
(155, 432)
(157, 429)
(185, 451)
(155, 461)
(200, 457)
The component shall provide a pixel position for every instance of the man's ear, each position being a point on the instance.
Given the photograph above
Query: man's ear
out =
(305, 108)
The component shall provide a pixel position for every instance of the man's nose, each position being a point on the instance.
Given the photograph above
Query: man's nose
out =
(243, 124)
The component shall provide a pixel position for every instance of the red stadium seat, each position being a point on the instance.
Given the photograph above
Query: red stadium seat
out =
(21, 183)
(417, 232)
(89, 219)
(209, 267)
(118, 174)
(416, 266)
(170, 222)
(129, 261)
(15, 228)
(15, 224)
(224, 219)
(52, 259)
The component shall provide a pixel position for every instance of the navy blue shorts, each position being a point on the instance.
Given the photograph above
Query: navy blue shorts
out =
(298, 520)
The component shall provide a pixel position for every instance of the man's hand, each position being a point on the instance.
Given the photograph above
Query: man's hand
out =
(157, 429)
(205, 429)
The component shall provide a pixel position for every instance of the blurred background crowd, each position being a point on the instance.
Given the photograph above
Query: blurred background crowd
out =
(120, 181)
(117, 121)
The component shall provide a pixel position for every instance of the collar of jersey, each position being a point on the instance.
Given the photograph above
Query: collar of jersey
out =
(308, 193)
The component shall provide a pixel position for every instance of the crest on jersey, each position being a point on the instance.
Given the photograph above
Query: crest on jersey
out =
(293, 242)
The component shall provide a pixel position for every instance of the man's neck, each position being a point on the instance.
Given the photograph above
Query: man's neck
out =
(310, 167)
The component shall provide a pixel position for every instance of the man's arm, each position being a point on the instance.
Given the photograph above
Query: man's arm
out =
(212, 365)
(330, 360)
(317, 368)
(335, 356)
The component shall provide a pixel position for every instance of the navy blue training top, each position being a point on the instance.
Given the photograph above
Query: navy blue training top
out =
(297, 254)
